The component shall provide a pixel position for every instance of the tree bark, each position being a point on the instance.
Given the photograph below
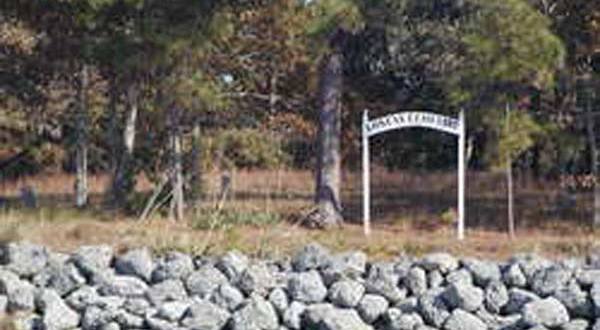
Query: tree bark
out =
(509, 182)
(196, 175)
(328, 170)
(177, 202)
(81, 148)
(123, 182)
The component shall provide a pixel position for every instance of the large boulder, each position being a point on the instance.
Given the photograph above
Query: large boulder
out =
(138, 306)
(173, 266)
(137, 262)
(547, 312)
(292, 316)
(93, 260)
(346, 293)
(20, 294)
(442, 262)
(350, 265)
(95, 317)
(204, 315)
(382, 279)
(435, 279)
(168, 290)
(257, 279)
(496, 296)
(396, 320)
(233, 264)
(530, 264)
(82, 298)
(463, 296)
(483, 271)
(547, 281)
(576, 300)
(123, 286)
(327, 317)
(25, 259)
(371, 307)
(462, 320)
(307, 287)
(416, 280)
(513, 276)
(255, 314)
(517, 298)
(173, 311)
(461, 275)
(227, 296)
(60, 276)
(433, 308)
(496, 321)
(204, 281)
(279, 299)
(56, 314)
(312, 256)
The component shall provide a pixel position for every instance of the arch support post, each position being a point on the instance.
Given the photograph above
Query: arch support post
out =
(461, 175)
(366, 175)
(455, 126)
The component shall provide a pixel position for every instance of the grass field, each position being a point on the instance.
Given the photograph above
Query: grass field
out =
(412, 215)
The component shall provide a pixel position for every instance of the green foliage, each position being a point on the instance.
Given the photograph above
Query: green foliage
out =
(518, 134)
(243, 148)
(329, 15)
(508, 41)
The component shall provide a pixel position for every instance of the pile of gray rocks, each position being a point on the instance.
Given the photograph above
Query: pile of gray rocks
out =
(94, 288)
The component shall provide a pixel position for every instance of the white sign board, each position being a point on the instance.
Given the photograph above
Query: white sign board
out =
(414, 119)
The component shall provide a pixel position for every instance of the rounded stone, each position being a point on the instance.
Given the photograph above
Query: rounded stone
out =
(204, 281)
(346, 293)
(137, 262)
(371, 307)
(465, 297)
(547, 312)
(416, 280)
(307, 287)
(256, 314)
(496, 296)
(462, 320)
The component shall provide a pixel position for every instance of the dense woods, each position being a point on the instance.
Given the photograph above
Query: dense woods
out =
(174, 89)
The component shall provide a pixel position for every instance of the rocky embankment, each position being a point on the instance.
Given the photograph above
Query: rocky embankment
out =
(95, 289)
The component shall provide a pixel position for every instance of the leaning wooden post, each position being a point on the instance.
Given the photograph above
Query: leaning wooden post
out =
(366, 174)
(461, 175)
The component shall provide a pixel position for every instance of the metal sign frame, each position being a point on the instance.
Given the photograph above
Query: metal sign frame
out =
(421, 119)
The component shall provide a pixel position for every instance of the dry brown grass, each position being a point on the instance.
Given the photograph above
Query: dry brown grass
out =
(409, 209)
(275, 240)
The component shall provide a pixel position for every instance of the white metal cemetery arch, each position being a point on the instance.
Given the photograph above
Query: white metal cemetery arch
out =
(414, 119)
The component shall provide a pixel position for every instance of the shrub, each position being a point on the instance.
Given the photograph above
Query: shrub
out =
(243, 148)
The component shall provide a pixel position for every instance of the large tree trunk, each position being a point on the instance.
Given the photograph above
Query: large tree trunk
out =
(81, 148)
(196, 184)
(123, 182)
(509, 182)
(327, 195)
(177, 202)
